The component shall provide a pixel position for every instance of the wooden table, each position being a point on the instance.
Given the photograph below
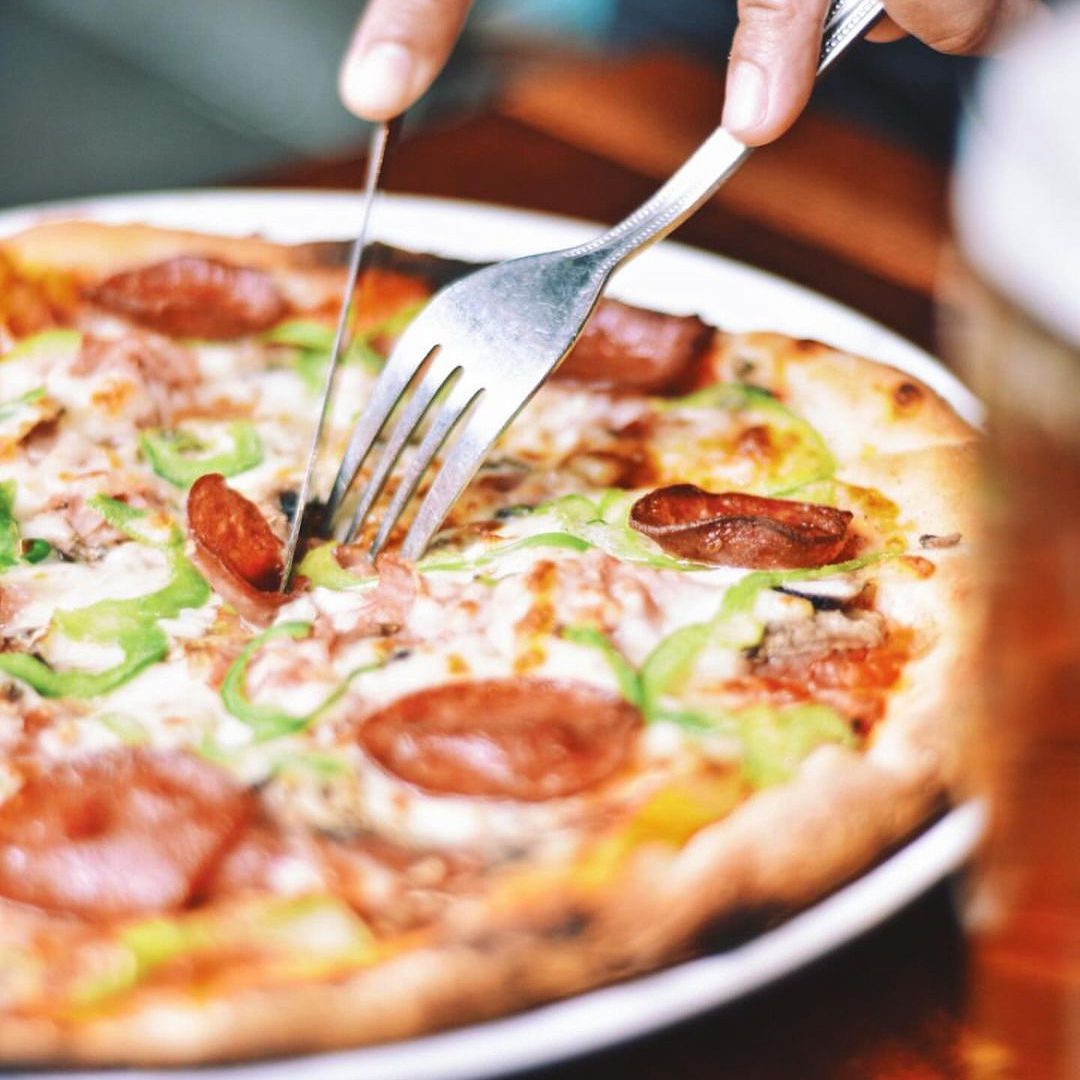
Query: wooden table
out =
(859, 220)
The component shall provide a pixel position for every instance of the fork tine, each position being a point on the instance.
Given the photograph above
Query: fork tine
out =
(449, 415)
(469, 450)
(394, 379)
(434, 379)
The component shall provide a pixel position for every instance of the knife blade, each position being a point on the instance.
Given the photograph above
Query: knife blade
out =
(382, 137)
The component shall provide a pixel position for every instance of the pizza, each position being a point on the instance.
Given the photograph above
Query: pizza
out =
(688, 654)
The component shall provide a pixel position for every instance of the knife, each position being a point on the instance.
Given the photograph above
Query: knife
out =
(382, 138)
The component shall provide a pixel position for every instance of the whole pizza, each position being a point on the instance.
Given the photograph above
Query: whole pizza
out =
(684, 657)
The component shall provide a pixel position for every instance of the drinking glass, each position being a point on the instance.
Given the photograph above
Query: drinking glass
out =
(1017, 341)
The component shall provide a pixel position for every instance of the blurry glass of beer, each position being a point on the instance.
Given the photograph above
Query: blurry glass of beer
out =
(1017, 215)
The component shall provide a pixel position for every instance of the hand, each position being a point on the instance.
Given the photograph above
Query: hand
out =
(398, 49)
(775, 52)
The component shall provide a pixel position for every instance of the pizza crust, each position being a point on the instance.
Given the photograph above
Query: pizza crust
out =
(780, 850)
(92, 251)
(860, 407)
(934, 487)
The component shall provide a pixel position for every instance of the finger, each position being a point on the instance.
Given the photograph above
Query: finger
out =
(885, 30)
(398, 49)
(773, 61)
(963, 26)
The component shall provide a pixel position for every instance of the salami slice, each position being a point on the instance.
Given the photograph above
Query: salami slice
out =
(116, 834)
(635, 349)
(234, 531)
(191, 296)
(528, 739)
(735, 529)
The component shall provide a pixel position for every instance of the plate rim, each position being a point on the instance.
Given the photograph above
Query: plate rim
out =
(594, 1020)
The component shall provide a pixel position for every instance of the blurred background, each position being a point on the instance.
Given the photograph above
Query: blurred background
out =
(119, 95)
(582, 107)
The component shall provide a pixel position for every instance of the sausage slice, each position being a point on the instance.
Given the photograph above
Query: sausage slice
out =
(528, 739)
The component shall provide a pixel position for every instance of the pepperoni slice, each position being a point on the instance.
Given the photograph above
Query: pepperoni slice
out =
(734, 529)
(631, 348)
(234, 531)
(192, 296)
(528, 739)
(121, 833)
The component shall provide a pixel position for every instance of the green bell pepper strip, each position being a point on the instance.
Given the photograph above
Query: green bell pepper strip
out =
(667, 665)
(584, 524)
(157, 530)
(733, 627)
(625, 675)
(175, 455)
(314, 340)
(43, 345)
(269, 721)
(563, 540)
(807, 460)
(321, 568)
(301, 333)
(774, 740)
(36, 550)
(604, 524)
(13, 549)
(130, 624)
(315, 933)
(10, 541)
(10, 408)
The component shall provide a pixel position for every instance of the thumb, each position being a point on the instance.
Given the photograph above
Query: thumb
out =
(773, 62)
(398, 49)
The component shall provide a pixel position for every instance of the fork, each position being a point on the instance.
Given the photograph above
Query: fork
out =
(487, 342)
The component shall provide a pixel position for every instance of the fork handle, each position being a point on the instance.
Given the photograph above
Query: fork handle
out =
(717, 158)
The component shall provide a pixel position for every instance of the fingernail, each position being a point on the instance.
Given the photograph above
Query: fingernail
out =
(747, 101)
(377, 81)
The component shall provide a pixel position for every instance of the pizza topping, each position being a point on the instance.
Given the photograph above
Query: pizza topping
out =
(272, 721)
(933, 542)
(385, 607)
(255, 606)
(10, 539)
(32, 302)
(130, 625)
(232, 530)
(735, 529)
(527, 739)
(181, 457)
(737, 436)
(847, 659)
(827, 631)
(191, 296)
(776, 740)
(266, 859)
(630, 348)
(117, 834)
(157, 359)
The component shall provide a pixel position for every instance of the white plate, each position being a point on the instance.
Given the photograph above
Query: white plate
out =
(670, 277)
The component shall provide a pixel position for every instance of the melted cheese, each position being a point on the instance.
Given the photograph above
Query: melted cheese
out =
(502, 616)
